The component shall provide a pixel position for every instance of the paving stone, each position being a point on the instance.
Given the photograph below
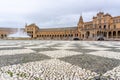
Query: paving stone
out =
(94, 63)
(60, 60)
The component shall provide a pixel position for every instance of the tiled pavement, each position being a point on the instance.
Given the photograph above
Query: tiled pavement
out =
(98, 57)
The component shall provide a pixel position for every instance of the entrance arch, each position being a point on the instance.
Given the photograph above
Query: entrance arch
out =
(105, 34)
(76, 38)
(119, 34)
(114, 33)
(87, 34)
(109, 34)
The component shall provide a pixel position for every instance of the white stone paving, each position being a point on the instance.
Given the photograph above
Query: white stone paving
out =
(16, 51)
(33, 47)
(60, 53)
(117, 48)
(114, 73)
(47, 70)
(10, 46)
(54, 68)
(66, 47)
(95, 48)
(108, 54)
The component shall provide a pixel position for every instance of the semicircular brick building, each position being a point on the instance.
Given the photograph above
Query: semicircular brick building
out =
(101, 26)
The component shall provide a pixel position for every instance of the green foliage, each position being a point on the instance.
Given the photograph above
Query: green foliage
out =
(10, 73)
(22, 74)
(36, 78)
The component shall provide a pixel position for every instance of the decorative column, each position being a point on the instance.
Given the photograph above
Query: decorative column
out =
(107, 35)
(111, 34)
(116, 34)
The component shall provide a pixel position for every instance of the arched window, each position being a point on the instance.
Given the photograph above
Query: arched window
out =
(77, 35)
(118, 33)
(83, 35)
(104, 26)
(66, 35)
(71, 35)
(114, 33)
(5, 35)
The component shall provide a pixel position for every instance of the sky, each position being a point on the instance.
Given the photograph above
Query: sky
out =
(53, 13)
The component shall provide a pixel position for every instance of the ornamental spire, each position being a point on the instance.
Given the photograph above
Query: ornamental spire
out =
(80, 20)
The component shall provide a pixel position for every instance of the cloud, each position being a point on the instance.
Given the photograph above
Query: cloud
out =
(52, 13)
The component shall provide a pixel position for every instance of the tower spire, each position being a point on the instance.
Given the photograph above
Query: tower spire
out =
(25, 24)
(80, 20)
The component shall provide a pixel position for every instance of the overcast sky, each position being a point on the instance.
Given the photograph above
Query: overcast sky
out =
(53, 13)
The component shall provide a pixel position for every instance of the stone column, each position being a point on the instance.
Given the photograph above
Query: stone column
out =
(107, 35)
(84, 35)
(111, 34)
(116, 34)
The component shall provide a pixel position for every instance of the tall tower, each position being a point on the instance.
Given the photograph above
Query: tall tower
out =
(25, 24)
(80, 23)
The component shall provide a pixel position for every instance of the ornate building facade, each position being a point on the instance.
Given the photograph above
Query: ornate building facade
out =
(4, 32)
(101, 26)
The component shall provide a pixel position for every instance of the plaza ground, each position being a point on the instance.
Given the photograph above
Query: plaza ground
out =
(59, 60)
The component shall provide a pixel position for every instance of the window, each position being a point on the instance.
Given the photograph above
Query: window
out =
(71, 35)
(114, 26)
(100, 27)
(77, 35)
(66, 35)
(104, 26)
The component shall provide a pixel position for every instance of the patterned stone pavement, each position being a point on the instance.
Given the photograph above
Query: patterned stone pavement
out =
(59, 60)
